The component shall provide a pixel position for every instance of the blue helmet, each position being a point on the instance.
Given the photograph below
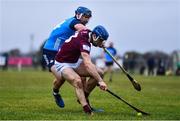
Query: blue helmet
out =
(84, 11)
(101, 32)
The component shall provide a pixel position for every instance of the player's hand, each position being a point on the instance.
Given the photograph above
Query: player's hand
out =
(102, 85)
(102, 44)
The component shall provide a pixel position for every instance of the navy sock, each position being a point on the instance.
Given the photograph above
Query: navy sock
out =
(55, 91)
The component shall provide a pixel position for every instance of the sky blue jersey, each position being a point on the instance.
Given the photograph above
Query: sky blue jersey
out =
(112, 51)
(60, 33)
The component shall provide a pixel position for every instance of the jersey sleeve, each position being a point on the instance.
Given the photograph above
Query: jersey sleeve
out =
(85, 47)
(73, 23)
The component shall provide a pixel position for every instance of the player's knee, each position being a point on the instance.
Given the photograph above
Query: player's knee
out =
(78, 82)
(83, 78)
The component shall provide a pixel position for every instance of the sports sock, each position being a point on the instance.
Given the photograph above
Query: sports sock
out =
(55, 91)
(87, 109)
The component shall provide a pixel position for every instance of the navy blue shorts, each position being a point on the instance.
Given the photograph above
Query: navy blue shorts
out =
(109, 63)
(49, 57)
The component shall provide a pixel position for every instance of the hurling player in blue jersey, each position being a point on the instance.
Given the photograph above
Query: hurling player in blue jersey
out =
(109, 61)
(56, 39)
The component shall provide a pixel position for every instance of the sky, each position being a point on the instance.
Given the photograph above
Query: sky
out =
(133, 25)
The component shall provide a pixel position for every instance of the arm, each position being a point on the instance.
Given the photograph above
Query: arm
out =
(92, 70)
(79, 27)
(90, 67)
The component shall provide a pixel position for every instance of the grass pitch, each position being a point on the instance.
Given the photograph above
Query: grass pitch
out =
(27, 95)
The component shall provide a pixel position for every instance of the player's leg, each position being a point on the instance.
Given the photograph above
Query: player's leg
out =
(89, 87)
(109, 68)
(48, 57)
(111, 73)
(81, 70)
(105, 69)
(90, 84)
(57, 83)
(75, 80)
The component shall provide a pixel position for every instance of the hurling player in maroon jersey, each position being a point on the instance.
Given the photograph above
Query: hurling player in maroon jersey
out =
(72, 68)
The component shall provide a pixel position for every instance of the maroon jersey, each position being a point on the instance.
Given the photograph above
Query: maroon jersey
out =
(72, 48)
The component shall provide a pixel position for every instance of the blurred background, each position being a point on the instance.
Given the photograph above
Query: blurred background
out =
(145, 33)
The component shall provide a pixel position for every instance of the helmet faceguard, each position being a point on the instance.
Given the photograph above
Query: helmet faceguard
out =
(99, 35)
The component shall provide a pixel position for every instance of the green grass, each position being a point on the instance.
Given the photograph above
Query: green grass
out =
(27, 96)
